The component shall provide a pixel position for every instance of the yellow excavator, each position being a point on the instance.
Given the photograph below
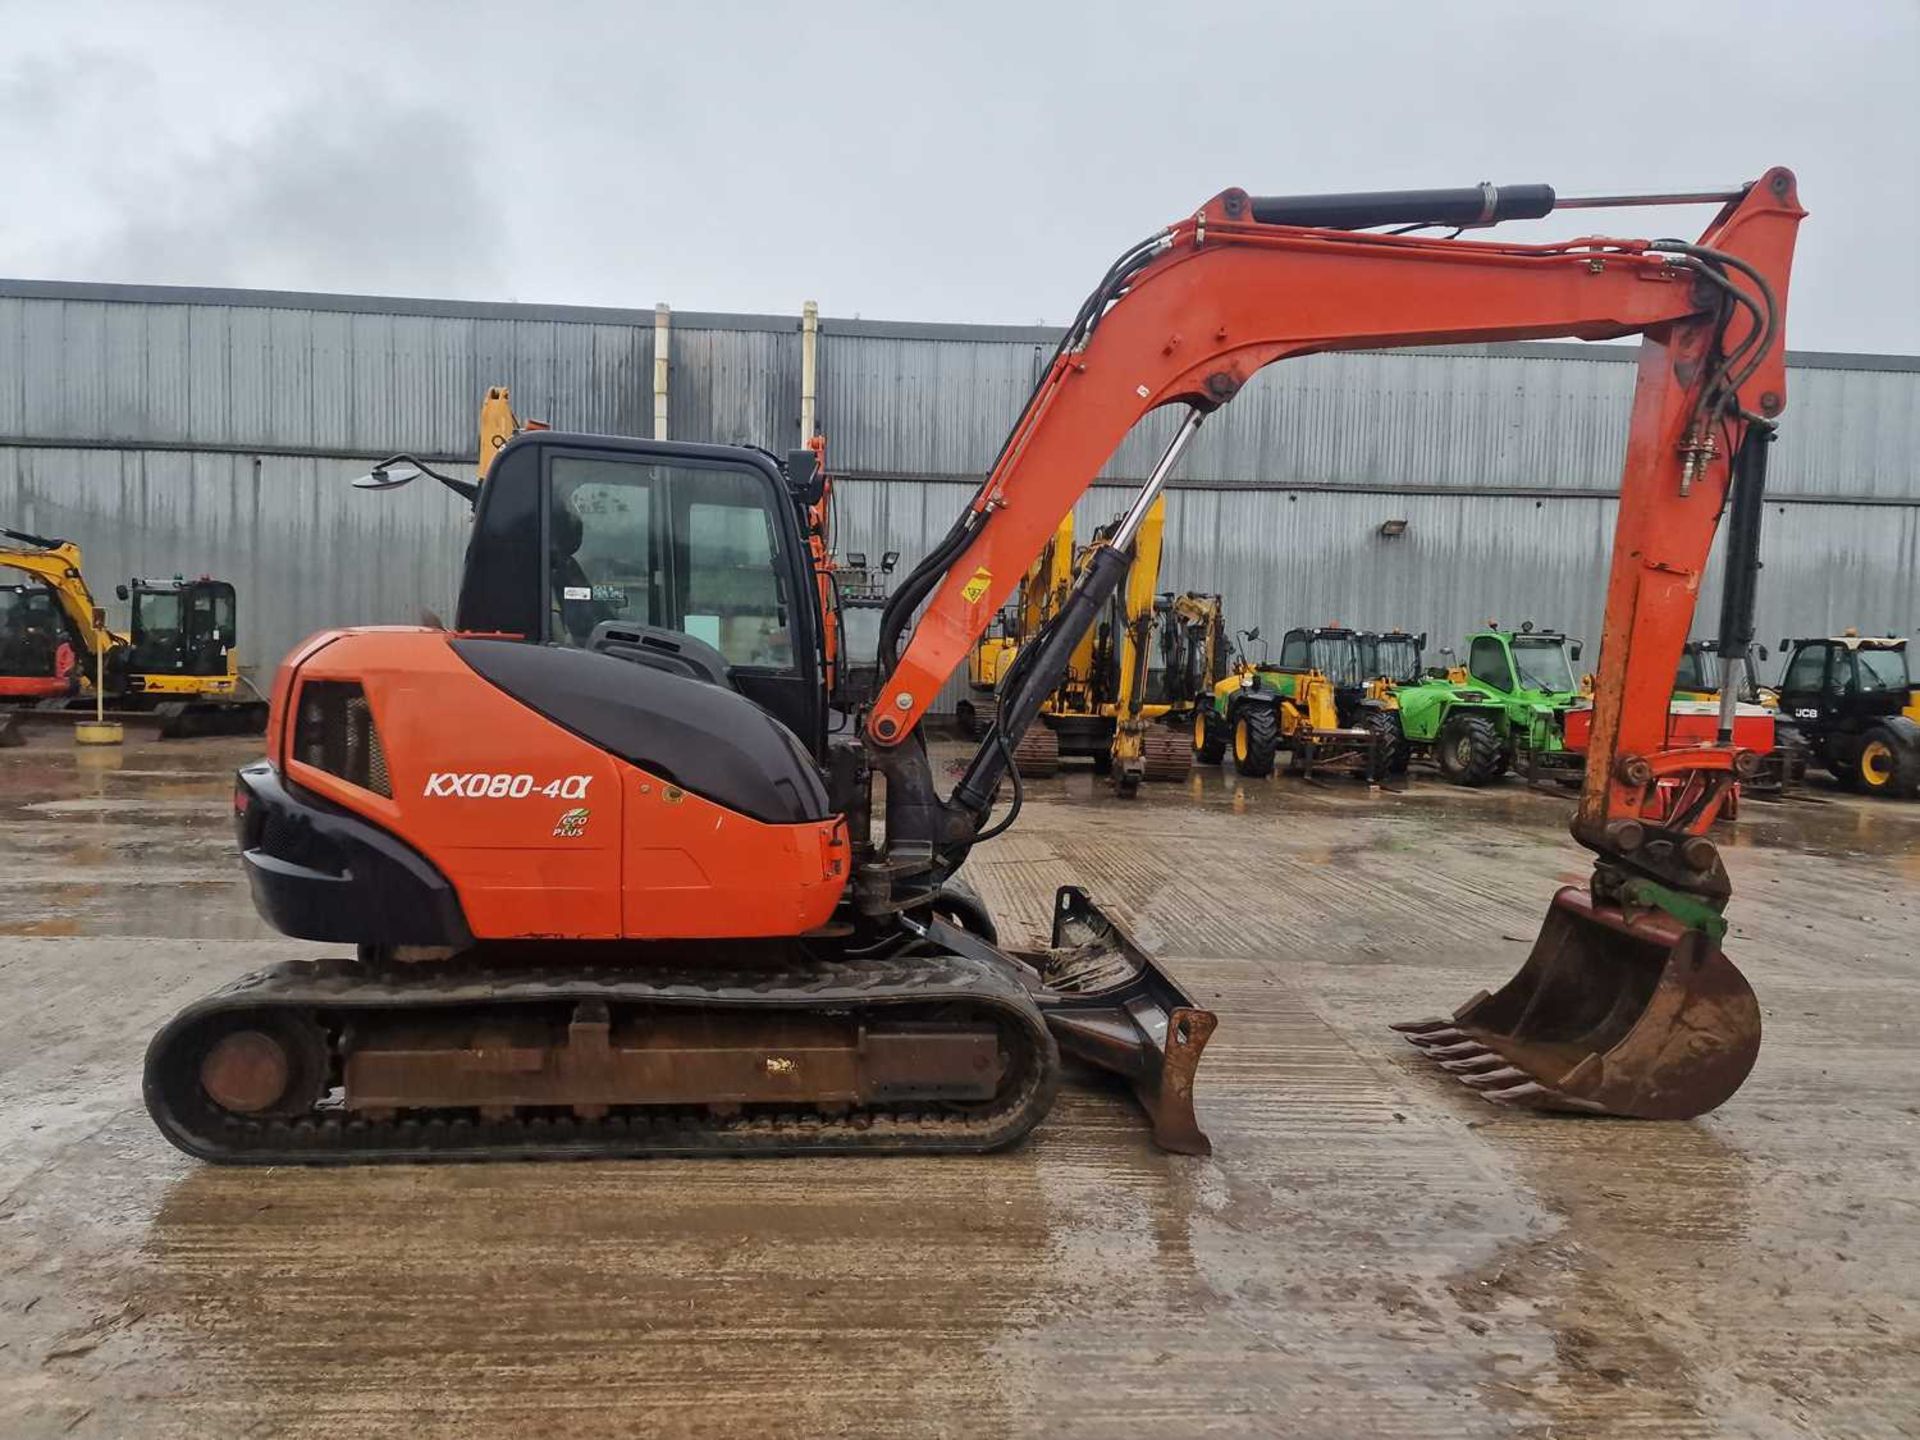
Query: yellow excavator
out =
(1042, 590)
(1114, 691)
(177, 666)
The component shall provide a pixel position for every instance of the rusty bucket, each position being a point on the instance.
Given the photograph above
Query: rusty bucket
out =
(1616, 1012)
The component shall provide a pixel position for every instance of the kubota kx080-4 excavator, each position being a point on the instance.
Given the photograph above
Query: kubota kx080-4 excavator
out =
(616, 887)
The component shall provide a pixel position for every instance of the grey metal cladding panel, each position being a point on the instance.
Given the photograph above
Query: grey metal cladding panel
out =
(250, 387)
(920, 407)
(1849, 432)
(304, 549)
(735, 387)
(209, 409)
(43, 365)
(1825, 567)
(1410, 419)
(622, 380)
(1280, 561)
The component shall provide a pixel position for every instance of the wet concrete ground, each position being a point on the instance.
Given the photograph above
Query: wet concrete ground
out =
(1371, 1251)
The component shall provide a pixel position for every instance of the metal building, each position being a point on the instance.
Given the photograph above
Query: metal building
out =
(182, 430)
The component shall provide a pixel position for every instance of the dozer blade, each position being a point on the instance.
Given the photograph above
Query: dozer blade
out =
(1614, 1013)
(1113, 1005)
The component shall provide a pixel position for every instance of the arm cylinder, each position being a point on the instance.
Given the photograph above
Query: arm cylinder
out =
(1469, 205)
(1741, 588)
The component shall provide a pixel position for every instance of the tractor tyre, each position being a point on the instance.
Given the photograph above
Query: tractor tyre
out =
(1389, 751)
(1469, 750)
(1256, 741)
(1886, 765)
(1209, 738)
(1386, 742)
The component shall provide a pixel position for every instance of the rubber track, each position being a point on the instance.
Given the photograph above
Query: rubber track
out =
(338, 988)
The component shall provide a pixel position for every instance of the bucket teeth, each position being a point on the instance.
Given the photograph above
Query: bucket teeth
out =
(1528, 1092)
(1473, 1064)
(1420, 1027)
(1468, 1049)
(1504, 1078)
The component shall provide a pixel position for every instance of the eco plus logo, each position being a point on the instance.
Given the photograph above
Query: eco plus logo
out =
(572, 824)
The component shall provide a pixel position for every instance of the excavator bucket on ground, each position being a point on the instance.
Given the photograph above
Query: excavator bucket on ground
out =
(1616, 1012)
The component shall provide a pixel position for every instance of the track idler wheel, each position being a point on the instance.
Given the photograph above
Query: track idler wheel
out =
(273, 1068)
(1616, 1012)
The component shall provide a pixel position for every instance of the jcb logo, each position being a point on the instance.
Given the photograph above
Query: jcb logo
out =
(485, 785)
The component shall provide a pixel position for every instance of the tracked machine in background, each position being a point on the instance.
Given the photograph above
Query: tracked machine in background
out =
(177, 668)
(1114, 696)
(626, 895)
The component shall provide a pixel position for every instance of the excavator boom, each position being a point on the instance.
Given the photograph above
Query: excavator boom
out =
(1616, 1013)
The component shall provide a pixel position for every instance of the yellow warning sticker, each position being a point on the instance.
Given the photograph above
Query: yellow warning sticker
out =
(976, 586)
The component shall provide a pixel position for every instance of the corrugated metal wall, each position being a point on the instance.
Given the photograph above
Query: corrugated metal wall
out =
(214, 431)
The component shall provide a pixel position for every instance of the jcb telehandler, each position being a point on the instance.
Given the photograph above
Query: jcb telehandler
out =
(1852, 701)
(625, 894)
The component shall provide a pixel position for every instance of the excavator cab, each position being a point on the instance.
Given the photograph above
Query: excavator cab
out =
(182, 628)
(683, 558)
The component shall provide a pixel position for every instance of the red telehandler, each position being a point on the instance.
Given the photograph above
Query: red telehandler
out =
(614, 879)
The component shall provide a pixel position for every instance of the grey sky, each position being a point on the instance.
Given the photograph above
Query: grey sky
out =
(977, 162)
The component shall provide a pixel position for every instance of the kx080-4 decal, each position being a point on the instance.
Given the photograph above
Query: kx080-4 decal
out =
(482, 785)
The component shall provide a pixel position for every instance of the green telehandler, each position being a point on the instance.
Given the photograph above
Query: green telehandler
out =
(1506, 709)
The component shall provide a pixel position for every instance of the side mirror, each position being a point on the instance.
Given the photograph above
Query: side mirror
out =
(1253, 634)
(1783, 644)
(387, 476)
(1763, 652)
(120, 592)
(805, 479)
(1574, 650)
(888, 561)
(1420, 641)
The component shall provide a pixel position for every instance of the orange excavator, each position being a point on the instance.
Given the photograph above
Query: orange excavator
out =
(615, 882)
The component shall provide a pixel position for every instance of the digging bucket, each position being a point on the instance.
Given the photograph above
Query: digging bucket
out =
(1616, 1012)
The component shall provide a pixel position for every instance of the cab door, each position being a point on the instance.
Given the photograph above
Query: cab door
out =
(1805, 692)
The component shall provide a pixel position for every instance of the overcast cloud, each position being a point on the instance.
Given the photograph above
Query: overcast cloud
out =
(979, 162)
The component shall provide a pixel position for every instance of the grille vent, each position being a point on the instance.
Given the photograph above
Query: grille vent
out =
(335, 733)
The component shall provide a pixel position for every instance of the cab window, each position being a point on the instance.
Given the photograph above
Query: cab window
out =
(1487, 663)
(685, 547)
(1882, 669)
(1807, 669)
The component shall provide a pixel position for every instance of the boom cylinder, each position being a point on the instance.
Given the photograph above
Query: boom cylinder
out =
(1038, 671)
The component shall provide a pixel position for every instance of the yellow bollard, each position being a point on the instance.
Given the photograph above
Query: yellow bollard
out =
(99, 730)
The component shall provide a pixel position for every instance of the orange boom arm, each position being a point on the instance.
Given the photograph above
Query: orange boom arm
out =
(1226, 295)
